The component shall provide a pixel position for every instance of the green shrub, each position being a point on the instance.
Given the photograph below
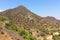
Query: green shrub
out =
(11, 26)
(1, 23)
(25, 34)
(3, 18)
(56, 37)
(29, 37)
(21, 31)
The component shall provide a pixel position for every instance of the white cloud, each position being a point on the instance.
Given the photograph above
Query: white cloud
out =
(1, 10)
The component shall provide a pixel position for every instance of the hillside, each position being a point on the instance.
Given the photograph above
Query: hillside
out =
(25, 25)
(6, 34)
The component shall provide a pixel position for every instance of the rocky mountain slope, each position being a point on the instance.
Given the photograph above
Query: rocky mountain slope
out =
(25, 25)
(6, 34)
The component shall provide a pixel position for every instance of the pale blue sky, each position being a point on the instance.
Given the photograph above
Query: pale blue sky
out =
(40, 7)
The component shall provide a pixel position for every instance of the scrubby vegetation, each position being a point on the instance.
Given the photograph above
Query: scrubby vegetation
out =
(21, 31)
(56, 37)
(26, 35)
(2, 18)
(30, 26)
(11, 26)
(1, 23)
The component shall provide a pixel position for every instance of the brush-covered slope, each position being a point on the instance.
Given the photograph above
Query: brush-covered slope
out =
(6, 34)
(31, 26)
(23, 17)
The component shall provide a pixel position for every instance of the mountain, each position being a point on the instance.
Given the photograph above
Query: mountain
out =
(22, 16)
(34, 27)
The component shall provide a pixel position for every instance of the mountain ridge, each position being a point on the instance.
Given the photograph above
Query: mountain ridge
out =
(23, 12)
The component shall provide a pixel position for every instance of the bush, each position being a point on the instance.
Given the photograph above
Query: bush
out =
(29, 37)
(3, 18)
(11, 26)
(25, 34)
(1, 23)
(21, 31)
(56, 37)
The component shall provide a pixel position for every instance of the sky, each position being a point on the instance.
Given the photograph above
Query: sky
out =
(39, 7)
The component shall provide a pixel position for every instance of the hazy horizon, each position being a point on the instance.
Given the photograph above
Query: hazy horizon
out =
(39, 7)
